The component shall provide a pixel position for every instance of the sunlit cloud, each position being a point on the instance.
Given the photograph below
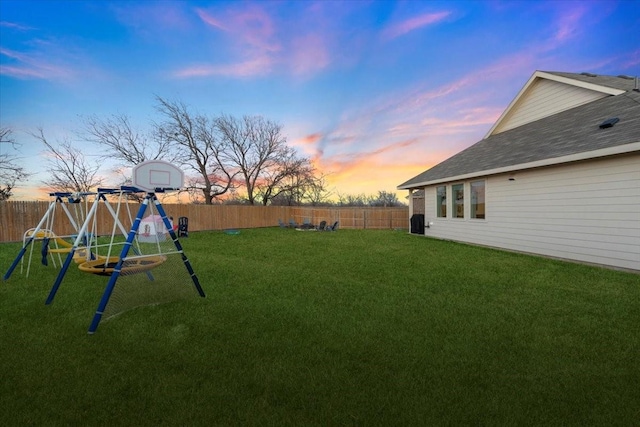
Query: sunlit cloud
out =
(308, 54)
(569, 23)
(311, 139)
(32, 193)
(251, 35)
(210, 20)
(404, 27)
(249, 68)
(254, 36)
(32, 66)
(363, 176)
(309, 144)
(251, 29)
(404, 133)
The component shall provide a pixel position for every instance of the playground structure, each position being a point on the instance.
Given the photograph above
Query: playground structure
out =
(135, 256)
(74, 206)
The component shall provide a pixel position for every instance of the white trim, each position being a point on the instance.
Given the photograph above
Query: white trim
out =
(560, 79)
(587, 155)
(580, 83)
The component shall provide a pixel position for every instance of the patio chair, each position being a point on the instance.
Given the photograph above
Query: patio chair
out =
(333, 227)
(281, 223)
(183, 226)
(293, 224)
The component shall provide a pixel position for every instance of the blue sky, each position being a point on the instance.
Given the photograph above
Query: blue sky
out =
(374, 92)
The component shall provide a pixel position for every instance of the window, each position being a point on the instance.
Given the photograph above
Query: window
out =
(458, 200)
(477, 200)
(441, 202)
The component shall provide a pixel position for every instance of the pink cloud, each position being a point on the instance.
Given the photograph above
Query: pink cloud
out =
(569, 23)
(311, 139)
(251, 41)
(253, 35)
(412, 24)
(30, 66)
(308, 54)
(353, 174)
(210, 20)
(250, 28)
(432, 124)
(256, 66)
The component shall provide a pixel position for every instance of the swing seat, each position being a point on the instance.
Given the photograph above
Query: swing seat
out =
(41, 234)
(60, 250)
(104, 267)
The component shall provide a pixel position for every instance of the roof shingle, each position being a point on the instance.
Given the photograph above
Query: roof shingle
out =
(569, 132)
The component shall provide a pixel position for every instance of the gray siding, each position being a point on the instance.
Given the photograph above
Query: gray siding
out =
(588, 211)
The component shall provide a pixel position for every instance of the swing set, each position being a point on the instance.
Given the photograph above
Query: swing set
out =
(74, 207)
(150, 177)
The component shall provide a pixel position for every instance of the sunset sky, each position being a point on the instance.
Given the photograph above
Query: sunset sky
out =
(374, 92)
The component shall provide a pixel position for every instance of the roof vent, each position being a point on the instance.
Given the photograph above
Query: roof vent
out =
(609, 123)
(589, 74)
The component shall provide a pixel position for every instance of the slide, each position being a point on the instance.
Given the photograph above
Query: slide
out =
(62, 246)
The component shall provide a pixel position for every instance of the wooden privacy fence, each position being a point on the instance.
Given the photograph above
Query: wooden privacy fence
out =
(18, 216)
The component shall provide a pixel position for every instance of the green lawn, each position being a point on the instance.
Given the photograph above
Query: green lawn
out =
(355, 327)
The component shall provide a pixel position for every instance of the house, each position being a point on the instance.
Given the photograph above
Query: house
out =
(557, 175)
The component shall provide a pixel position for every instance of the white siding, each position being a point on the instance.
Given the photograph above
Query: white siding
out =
(545, 98)
(588, 211)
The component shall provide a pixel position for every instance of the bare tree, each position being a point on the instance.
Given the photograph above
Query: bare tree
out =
(353, 200)
(385, 199)
(201, 148)
(68, 167)
(316, 193)
(292, 181)
(382, 199)
(287, 175)
(10, 171)
(122, 142)
(259, 151)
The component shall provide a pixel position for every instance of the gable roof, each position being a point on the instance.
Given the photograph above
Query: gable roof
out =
(568, 135)
(620, 82)
(547, 93)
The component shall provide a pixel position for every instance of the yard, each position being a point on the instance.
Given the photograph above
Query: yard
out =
(355, 327)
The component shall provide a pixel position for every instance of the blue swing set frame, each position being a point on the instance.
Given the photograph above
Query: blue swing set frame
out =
(113, 278)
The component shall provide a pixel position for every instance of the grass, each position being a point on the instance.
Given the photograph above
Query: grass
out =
(357, 327)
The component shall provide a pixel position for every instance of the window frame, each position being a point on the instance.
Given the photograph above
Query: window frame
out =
(439, 201)
(473, 206)
(454, 199)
